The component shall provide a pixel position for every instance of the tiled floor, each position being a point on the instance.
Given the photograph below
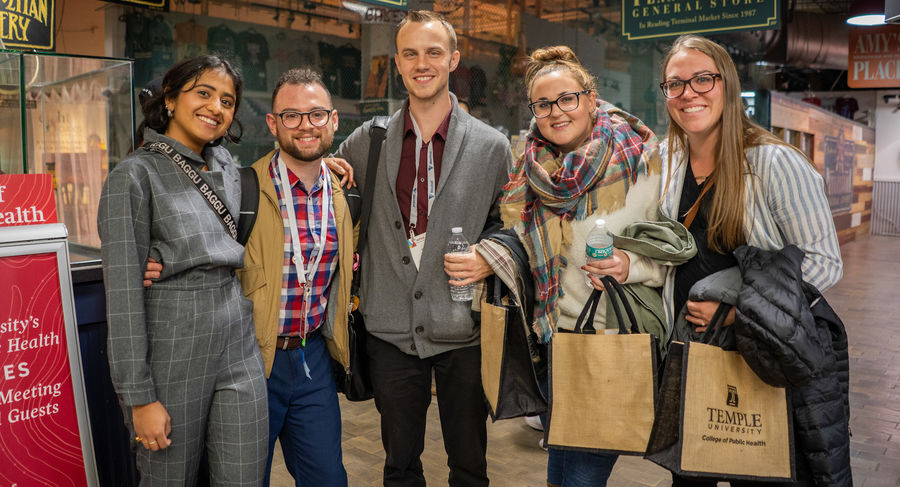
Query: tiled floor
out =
(868, 301)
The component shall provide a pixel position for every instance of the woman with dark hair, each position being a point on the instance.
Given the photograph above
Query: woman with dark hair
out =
(182, 354)
(733, 183)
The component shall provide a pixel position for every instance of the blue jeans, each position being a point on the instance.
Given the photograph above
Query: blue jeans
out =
(569, 468)
(305, 414)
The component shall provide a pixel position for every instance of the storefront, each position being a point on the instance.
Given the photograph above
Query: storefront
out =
(73, 114)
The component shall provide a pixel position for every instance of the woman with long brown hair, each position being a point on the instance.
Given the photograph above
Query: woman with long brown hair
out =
(732, 183)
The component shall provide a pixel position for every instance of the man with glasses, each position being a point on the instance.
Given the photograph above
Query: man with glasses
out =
(297, 266)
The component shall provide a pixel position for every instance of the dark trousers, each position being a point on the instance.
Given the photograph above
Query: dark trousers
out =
(402, 386)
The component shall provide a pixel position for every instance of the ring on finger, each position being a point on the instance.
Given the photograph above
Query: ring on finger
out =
(152, 442)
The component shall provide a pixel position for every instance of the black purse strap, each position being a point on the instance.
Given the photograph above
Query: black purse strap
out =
(212, 199)
(589, 310)
(716, 324)
(617, 299)
(377, 131)
(610, 283)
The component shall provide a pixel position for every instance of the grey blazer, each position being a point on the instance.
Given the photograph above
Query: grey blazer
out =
(408, 308)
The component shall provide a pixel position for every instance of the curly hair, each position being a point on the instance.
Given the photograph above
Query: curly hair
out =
(180, 75)
(557, 58)
(299, 76)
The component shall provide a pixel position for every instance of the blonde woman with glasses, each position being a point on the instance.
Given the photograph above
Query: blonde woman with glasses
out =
(584, 159)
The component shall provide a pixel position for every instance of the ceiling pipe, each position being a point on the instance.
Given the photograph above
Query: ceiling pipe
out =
(809, 40)
(816, 41)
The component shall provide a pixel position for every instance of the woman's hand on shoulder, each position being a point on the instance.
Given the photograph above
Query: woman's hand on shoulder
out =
(152, 425)
(615, 266)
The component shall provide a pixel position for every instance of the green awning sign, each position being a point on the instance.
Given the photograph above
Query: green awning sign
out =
(650, 19)
(397, 4)
(151, 4)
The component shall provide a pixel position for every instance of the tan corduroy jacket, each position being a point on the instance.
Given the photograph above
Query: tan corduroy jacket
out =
(261, 275)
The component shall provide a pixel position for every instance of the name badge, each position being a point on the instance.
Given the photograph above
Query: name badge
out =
(416, 245)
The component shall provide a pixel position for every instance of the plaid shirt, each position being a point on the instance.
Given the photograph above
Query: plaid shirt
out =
(309, 220)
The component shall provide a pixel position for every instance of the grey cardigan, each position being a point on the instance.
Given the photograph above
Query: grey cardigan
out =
(411, 308)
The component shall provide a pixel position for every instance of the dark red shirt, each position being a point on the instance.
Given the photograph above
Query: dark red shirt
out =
(407, 172)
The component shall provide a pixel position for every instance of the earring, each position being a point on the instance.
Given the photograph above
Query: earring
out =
(169, 112)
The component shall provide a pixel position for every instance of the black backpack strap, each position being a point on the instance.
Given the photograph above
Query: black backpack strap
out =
(377, 131)
(249, 204)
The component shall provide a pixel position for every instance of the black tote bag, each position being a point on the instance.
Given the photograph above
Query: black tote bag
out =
(509, 354)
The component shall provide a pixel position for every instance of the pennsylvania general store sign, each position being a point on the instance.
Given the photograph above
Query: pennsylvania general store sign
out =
(649, 19)
(28, 24)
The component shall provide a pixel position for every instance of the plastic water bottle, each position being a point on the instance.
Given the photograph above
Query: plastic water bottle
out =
(459, 245)
(599, 245)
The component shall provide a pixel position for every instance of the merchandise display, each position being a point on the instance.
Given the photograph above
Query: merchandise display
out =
(78, 124)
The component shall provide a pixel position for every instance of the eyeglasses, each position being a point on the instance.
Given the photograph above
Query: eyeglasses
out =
(566, 102)
(702, 83)
(317, 118)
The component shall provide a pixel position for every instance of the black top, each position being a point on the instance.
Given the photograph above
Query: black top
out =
(706, 261)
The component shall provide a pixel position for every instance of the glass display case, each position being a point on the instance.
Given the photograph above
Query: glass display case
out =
(72, 117)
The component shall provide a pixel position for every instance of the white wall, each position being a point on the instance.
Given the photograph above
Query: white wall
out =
(887, 136)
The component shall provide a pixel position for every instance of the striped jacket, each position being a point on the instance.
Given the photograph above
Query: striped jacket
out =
(785, 204)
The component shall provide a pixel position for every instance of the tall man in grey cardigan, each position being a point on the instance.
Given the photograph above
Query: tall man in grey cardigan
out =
(439, 168)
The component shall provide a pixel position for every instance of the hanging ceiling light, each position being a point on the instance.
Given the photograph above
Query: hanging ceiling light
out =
(866, 12)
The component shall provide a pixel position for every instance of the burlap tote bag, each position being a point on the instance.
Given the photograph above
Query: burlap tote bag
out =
(602, 387)
(717, 418)
(508, 357)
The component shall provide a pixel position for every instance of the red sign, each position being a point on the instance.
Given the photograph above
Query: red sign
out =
(40, 443)
(874, 60)
(26, 199)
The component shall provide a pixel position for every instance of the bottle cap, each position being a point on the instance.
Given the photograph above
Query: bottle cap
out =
(600, 222)
(456, 230)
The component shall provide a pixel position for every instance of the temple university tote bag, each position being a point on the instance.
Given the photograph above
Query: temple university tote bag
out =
(602, 387)
(716, 418)
(508, 358)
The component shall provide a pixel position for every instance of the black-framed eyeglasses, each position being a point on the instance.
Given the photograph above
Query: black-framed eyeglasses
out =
(566, 102)
(317, 118)
(702, 83)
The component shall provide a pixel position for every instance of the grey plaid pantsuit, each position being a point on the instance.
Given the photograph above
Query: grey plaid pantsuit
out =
(188, 341)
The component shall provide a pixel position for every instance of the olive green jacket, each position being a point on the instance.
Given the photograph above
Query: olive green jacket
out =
(261, 276)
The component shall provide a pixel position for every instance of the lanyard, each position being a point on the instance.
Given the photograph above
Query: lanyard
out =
(304, 275)
(414, 198)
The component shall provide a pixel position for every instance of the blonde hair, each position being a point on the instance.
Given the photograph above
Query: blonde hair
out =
(738, 133)
(423, 16)
(557, 58)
